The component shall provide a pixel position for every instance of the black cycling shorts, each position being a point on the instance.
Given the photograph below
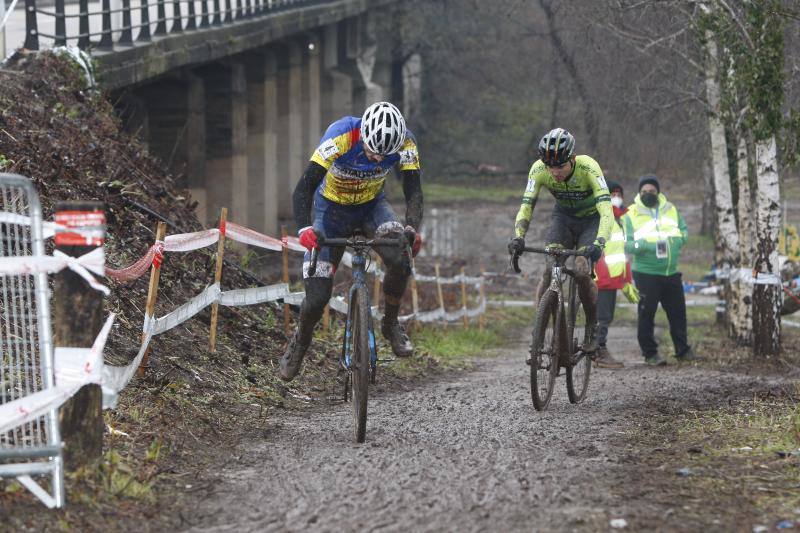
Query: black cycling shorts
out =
(570, 231)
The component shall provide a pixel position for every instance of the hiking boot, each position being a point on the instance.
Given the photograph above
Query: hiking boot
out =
(655, 360)
(688, 357)
(590, 339)
(292, 359)
(603, 359)
(394, 333)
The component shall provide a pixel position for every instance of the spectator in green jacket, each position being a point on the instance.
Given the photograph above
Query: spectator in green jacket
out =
(654, 234)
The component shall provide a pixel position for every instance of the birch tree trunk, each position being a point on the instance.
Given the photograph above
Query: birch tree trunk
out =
(707, 223)
(767, 293)
(726, 238)
(740, 303)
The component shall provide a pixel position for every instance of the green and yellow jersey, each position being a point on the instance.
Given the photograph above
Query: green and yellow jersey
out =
(583, 194)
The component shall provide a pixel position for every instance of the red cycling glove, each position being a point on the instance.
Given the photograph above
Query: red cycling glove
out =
(417, 245)
(308, 238)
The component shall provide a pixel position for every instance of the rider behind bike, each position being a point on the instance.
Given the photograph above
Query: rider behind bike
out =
(342, 191)
(582, 217)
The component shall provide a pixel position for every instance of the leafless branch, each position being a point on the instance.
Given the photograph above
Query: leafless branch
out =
(739, 23)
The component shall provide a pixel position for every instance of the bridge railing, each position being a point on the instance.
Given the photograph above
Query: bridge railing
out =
(107, 25)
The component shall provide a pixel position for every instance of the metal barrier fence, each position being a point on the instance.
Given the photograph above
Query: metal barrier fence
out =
(26, 361)
(102, 24)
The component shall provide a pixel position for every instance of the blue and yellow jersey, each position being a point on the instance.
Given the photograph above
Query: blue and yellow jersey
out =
(584, 194)
(352, 178)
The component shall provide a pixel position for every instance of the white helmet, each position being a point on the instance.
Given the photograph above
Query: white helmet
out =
(383, 128)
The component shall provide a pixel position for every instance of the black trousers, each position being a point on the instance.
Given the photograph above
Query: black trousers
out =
(667, 290)
(606, 302)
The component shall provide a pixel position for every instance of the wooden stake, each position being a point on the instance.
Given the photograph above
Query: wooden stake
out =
(326, 319)
(482, 294)
(415, 296)
(212, 336)
(439, 292)
(287, 324)
(464, 299)
(77, 319)
(152, 296)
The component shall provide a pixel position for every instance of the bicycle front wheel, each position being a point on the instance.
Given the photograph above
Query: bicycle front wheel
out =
(544, 351)
(580, 366)
(360, 362)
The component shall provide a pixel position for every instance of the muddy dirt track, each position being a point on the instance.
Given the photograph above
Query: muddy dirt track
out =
(468, 453)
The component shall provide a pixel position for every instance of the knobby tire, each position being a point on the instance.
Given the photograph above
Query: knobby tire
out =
(360, 364)
(544, 351)
(577, 374)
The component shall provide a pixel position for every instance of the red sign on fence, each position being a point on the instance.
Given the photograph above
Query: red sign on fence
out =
(80, 228)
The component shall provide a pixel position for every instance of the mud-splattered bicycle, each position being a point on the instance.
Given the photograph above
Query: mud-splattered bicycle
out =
(558, 328)
(359, 356)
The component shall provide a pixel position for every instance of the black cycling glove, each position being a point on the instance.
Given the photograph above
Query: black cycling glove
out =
(516, 246)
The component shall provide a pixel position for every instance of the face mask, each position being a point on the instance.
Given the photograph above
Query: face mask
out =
(649, 199)
(616, 201)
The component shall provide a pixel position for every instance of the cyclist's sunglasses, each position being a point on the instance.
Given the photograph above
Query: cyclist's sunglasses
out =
(562, 165)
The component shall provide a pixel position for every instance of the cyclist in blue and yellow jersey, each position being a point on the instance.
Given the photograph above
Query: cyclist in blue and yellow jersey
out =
(582, 216)
(341, 191)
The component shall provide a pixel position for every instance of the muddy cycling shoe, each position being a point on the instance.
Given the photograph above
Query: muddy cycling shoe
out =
(292, 359)
(394, 333)
(688, 357)
(655, 360)
(590, 339)
(604, 359)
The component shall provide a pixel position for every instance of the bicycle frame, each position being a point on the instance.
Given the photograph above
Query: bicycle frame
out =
(558, 275)
(360, 246)
(359, 282)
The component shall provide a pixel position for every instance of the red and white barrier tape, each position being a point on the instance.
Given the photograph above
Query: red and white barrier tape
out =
(248, 236)
(154, 256)
(186, 242)
(294, 244)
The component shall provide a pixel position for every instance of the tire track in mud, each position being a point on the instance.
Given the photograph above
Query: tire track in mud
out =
(466, 453)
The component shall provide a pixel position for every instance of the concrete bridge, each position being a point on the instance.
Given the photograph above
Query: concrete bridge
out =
(233, 97)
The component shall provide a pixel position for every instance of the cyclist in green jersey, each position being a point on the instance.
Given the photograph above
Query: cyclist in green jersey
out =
(582, 217)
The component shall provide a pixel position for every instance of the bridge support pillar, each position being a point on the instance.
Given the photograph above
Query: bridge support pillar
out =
(226, 139)
(133, 113)
(262, 142)
(366, 90)
(173, 126)
(291, 156)
(311, 106)
(337, 85)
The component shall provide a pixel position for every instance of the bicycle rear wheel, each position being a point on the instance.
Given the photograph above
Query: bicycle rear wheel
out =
(360, 363)
(577, 371)
(544, 351)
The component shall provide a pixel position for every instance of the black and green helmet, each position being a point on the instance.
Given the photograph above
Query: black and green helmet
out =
(556, 147)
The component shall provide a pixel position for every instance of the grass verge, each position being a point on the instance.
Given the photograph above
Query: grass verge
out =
(483, 190)
(737, 465)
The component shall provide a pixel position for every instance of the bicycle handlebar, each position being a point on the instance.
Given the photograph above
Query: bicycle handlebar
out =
(557, 252)
(352, 241)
